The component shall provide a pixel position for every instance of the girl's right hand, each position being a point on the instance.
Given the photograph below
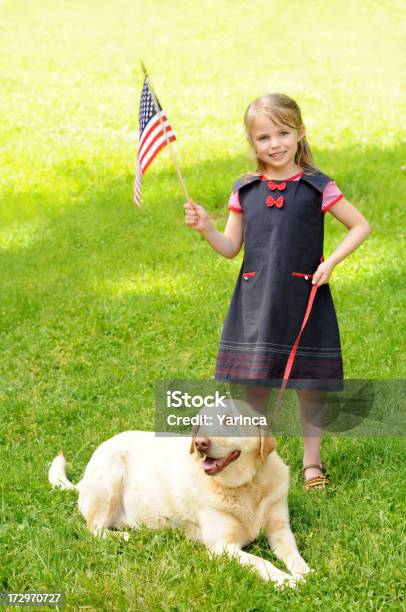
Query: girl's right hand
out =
(196, 217)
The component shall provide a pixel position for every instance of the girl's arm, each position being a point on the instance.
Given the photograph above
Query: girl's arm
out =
(227, 244)
(359, 229)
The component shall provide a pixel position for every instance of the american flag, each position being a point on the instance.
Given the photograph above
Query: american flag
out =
(151, 136)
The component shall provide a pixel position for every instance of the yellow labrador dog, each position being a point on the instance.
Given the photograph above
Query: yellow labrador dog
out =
(221, 489)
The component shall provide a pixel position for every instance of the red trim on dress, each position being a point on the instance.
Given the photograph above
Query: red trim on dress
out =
(239, 210)
(292, 178)
(327, 208)
(306, 276)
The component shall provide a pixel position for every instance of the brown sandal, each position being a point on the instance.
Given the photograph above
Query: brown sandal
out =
(317, 482)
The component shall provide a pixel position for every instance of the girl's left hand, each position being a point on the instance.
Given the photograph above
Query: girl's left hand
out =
(322, 274)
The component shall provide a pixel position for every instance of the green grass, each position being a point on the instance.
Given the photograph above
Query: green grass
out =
(98, 301)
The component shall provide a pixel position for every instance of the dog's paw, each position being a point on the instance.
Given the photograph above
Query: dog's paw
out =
(290, 582)
(283, 580)
(298, 566)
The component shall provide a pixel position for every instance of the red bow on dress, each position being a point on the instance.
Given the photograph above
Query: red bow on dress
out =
(273, 186)
(270, 201)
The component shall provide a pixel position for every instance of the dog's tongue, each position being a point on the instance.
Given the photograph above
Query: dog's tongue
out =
(212, 465)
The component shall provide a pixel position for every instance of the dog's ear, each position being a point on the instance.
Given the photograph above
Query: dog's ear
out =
(195, 430)
(267, 443)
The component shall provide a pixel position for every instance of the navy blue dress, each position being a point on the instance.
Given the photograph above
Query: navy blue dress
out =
(283, 246)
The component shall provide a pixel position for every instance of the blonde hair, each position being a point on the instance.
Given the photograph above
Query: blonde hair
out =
(280, 109)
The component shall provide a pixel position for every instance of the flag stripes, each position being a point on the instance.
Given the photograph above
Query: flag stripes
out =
(154, 133)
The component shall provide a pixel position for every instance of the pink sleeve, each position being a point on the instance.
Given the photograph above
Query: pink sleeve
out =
(331, 195)
(234, 202)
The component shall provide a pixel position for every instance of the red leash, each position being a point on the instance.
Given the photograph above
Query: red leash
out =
(292, 354)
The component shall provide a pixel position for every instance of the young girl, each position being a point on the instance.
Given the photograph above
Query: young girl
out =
(278, 212)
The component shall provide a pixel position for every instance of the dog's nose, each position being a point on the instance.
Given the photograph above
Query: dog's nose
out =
(202, 444)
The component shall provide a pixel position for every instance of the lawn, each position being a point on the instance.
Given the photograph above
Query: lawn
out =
(99, 301)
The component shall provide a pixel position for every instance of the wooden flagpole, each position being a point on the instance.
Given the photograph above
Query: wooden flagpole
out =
(175, 160)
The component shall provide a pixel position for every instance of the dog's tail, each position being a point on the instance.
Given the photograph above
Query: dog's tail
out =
(57, 473)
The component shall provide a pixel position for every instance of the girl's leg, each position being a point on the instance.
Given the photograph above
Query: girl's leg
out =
(311, 418)
(257, 397)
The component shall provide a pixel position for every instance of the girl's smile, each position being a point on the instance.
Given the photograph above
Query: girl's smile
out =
(278, 155)
(275, 144)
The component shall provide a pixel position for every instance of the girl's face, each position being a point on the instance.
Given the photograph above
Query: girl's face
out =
(275, 144)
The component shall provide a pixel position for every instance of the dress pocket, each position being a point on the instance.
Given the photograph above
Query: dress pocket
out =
(253, 295)
(303, 275)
